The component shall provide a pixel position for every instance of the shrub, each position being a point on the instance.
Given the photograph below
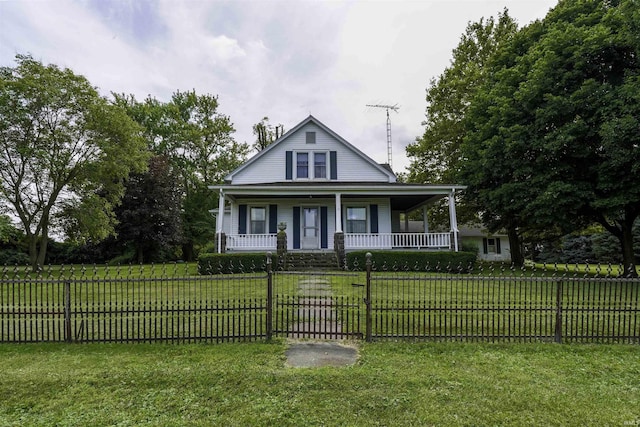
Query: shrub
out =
(413, 260)
(209, 248)
(470, 247)
(232, 263)
(126, 258)
(13, 257)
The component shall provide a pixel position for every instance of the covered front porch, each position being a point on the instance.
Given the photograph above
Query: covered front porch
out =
(330, 217)
(352, 241)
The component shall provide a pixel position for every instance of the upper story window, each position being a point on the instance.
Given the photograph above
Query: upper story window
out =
(302, 165)
(310, 164)
(319, 165)
(311, 137)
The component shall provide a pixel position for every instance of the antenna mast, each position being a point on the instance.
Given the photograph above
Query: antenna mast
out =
(387, 107)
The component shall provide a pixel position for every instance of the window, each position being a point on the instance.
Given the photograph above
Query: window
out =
(311, 137)
(356, 220)
(491, 245)
(302, 165)
(258, 220)
(320, 165)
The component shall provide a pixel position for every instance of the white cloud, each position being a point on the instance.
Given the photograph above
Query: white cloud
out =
(282, 59)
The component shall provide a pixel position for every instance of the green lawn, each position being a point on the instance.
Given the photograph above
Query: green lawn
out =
(151, 303)
(250, 384)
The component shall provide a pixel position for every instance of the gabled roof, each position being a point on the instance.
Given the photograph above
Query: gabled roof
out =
(385, 170)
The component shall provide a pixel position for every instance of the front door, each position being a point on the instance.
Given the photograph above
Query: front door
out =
(310, 229)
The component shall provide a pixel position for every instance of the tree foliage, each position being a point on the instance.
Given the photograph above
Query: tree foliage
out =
(64, 152)
(435, 157)
(149, 217)
(553, 135)
(190, 132)
(266, 133)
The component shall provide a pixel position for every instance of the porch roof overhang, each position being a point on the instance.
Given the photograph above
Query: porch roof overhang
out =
(403, 197)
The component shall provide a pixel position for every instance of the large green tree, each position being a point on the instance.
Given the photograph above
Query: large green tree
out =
(554, 135)
(149, 217)
(435, 156)
(198, 141)
(63, 148)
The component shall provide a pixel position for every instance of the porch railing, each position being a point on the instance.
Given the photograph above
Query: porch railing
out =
(252, 241)
(397, 240)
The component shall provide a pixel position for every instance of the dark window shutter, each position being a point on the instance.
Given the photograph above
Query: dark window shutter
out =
(373, 210)
(296, 227)
(273, 219)
(333, 164)
(498, 250)
(289, 165)
(324, 242)
(242, 219)
(485, 246)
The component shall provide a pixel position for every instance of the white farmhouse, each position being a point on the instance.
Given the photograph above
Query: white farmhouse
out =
(328, 194)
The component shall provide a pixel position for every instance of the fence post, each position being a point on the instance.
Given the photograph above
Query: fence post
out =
(67, 311)
(269, 297)
(558, 332)
(368, 297)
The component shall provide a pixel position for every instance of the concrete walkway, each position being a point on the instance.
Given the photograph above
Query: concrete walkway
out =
(318, 317)
(317, 354)
(319, 320)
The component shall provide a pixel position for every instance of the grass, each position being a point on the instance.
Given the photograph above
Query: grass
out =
(97, 272)
(134, 304)
(250, 384)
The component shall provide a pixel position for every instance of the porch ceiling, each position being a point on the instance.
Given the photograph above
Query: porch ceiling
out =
(409, 203)
(403, 193)
(403, 197)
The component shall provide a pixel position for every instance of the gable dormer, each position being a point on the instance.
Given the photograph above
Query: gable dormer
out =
(310, 152)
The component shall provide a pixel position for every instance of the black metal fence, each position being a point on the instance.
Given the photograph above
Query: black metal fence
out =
(137, 305)
(132, 308)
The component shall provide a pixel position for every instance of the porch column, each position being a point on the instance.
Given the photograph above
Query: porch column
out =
(220, 221)
(425, 219)
(453, 219)
(338, 213)
(338, 236)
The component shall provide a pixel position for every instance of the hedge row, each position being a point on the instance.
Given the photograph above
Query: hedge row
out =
(209, 263)
(413, 260)
(233, 263)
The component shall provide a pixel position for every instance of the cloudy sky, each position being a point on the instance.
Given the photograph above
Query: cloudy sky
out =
(281, 59)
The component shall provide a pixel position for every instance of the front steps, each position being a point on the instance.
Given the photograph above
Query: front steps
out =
(300, 261)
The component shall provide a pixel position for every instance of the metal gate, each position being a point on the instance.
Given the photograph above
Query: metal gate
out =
(319, 305)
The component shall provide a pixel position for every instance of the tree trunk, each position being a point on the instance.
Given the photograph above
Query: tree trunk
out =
(139, 254)
(44, 240)
(628, 257)
(42, 251)
(188, 252)
(33, 252)
(517, 259)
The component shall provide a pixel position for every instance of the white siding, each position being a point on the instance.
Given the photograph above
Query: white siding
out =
(505, 249)
(285, 213)
(271, 167)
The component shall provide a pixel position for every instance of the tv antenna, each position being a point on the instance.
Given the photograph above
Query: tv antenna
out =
(393, 108)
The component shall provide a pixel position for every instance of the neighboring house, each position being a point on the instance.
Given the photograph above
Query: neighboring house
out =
(491, 247)
(329, 196)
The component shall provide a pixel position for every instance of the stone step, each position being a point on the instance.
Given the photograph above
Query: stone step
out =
(311, 260)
